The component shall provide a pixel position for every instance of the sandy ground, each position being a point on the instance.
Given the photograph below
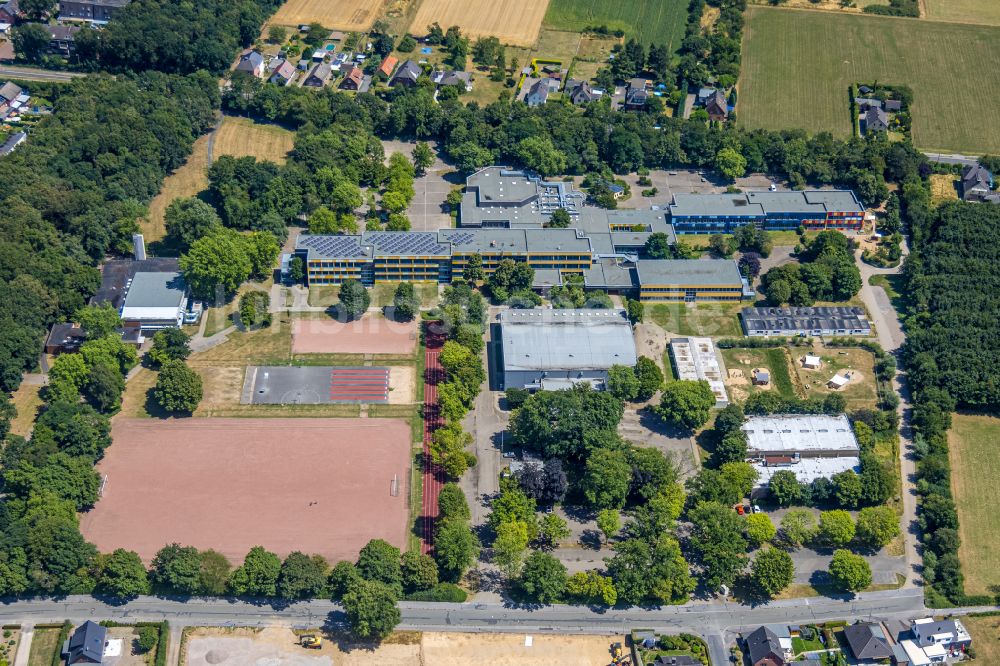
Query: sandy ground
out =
(318, 485)
(277, 645)
(402, 384)
(372, 334)
(652, 341)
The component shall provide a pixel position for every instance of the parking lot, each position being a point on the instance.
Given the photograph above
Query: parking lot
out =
(428, 211)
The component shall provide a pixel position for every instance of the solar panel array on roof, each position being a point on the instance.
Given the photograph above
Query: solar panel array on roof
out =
(333, 246)
(404, 242)
(461, 238)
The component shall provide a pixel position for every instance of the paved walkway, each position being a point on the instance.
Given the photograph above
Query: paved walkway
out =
(24, 646)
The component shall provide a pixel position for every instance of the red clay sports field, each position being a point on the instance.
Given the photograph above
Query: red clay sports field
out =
(324, 486)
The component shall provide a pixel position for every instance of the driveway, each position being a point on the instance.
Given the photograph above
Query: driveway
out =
(427, 211)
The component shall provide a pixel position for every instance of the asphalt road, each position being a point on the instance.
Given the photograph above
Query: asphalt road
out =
(34, 74)
(943, 158)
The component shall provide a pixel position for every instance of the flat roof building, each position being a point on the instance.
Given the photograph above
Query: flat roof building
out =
(154, 301)
(545, 345)
(834, 320)
(695, 359)
(809, 435)
(806, 470)
(690, 280)
(773, 211)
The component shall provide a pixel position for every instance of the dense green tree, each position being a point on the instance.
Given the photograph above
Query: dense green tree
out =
(718, 543)
(771, 572)
(543, 578)
(850, 572)
(658, 246)
(455, 549)
(452, 503)
(169, 344)
(98, 320)
(178, 388)
(123, 575)
(686, 404)
(188, 220)
(405, 302)
(730, 163)
(606, 479)
(836, 527)
(371, 609)
(538, 153)
(560, 219)
(552, 529)
(213, 577)
(847, 487)
(798, 527)
(257, 576)
(353, 299)
(217, 261)
(342, 576)
(31, 40)
(784, 488)
(760, 529)
(379, 560)
(877, 526)
(650, 377)
(509, 547)
(591, 587)
(105, 387)
(302, 576)
(420, 572)
(557, 423)
(109, 350)
(622, 382)
(177, 569)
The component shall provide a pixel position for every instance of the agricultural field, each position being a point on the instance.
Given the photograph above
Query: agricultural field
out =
(975, 464)
(349, 15)
(979, 12)
(515, 22)
(650, 21)
(985, 632)
(797, 67)
(826, 5)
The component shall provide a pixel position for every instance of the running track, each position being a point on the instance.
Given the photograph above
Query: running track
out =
(433, 477)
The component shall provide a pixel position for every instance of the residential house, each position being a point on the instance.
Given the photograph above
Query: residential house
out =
(283, 74)
(7, 51)
(453, 78)
(717, 107)
(875, 120)
(319, 55)
(977, 181)
(319, 76)
(704, 94)
(251, 63)
(352, 78)
(62, 39)
(407, 75)
(635, 99)
(10, 11)
(868, 642)
(864, 90)
(535, 92)
(95, 11)
(335, 36)
(581, 92)
(86, 645)
(764, 648)
(639, 83)
(8, 93)
(304, 65)
(950, 634)
(676, 660)
(865, 103)
(64, 338)
(893, 105)
(388, 65)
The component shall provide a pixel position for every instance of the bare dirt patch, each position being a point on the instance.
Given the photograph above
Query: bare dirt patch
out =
(372, 334)
(351, 15)
(515, 22)
(317, 485)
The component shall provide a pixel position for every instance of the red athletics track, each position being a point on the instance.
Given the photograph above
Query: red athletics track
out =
(433, 476)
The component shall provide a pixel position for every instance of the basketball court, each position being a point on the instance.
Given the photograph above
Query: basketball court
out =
(315, 385)
(323, 486)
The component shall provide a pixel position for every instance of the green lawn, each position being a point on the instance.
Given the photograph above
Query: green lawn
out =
(798, 66)
(975, 466)
(383, 292)
(650, 21)
(43, 645)
(772, 358)
(717, 320)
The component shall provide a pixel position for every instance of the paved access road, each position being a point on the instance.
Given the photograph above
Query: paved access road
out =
(953, 158)
(35, 74)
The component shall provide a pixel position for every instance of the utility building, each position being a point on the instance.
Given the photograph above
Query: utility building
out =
(554, 349)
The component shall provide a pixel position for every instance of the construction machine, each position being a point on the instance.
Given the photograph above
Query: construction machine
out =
(311, 641)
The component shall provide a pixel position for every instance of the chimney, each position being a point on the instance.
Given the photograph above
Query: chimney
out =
(139, 247)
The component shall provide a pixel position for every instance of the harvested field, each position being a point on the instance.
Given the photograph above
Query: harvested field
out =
(798, 65)
(985, 632)
(371, 334)
(975, 465)
(515, 22)
(231, 484)
(944, 187)
(242, 137)
(979, 12)
(230, 647)
(349, 15)
(188, 180)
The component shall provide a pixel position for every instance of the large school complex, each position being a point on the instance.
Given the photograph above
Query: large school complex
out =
(505, 215)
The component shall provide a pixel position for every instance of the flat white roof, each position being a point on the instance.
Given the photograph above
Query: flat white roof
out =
(800, 433)
(542, 339)
(694, 359)
(915, 654)
(807, 470)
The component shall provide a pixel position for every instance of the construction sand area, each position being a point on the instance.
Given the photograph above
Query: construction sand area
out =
(274, 645)
(318, 485)
(372, 334)
(514, 22)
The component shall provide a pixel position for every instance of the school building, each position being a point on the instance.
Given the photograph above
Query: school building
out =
(772, 211)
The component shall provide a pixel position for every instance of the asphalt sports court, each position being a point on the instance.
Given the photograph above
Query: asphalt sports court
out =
(315, 385)
(368, 335)
(323, 486)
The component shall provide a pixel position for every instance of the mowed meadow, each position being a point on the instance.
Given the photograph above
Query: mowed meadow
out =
(650, 21)
(798, 66)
